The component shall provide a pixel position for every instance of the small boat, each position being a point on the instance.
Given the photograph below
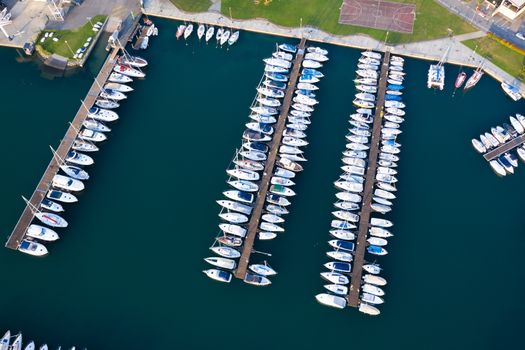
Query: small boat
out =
(278, 200)
(51, 219)
(266, 236)
(5, 340)
(517, 125)
(341, 244)
(119, 78)
(283, 55)
(317, 50)
(377, 241)
(268, 226)
(289, 165)
(274, 209)
(106, 104)
(374, 290)
(256, 280)
(277, 180)
(117, 87)
(460, 79)
(224, 263)
(35, 249)
(240, 196)
(311, 64)
(249, 164)
(372, 299)
(349, 197)
(381, 222)
(284, 173)
(278, 62)
(235, 206)
(218, 275)
(67, 183)
(251, 135)
(50, 205)
(253, 155)
(102, 114)
(293, 141)
(272, 218)
(75, 172)
(180, 31)
(230, 241)
(42, 233)
(345, 215)
(244, 185)
(380, 232)
(209, 33)
(226, 252)
(262, 269)
(200, 31)
(511, 91)
(336, 289)
(368, 309)
(372, 268)
(340, 255)
(243, 174)
(316, 56)
(478, 145)
(347, 205)
(264, 110)
(188, 30)
(307, 86)
(342, 267)
(302, 107)
(79, 158)
(290, 149)
(127, 70)
(331, 300)
(233, 229)
(288, 48)
(265, 119)
(275, 84)
(112, 95)
(335, 278)
(375, 280)
(84, 146)
(275, 93)
(372, 249)
(94, 125)
(61, 196)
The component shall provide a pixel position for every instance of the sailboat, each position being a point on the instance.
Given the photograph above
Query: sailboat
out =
(209, 33)
(436, 73)
(475, 77)
(201, 31)
(460, 79)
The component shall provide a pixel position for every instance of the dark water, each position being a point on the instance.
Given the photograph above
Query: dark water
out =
(127, 272)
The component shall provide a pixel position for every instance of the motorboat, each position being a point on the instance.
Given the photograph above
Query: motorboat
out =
(278, 62)
(244, 174)
(377, 241)
(235, 230)
(340, 255)
(521, 153)
(256, 280)
(394, 104)
(486, 143)
(226, 252)
(119, 78)
(75, 172)
(244, 185)
(249, 164)
(355, 154)
(218, 35)
(391, 97)
(368, 309)
(395, 111)
(367, 88)
(218, 275)
(505, 164)
(42, 233)
(268, 226)
(380, 232)
(294, 133)
(317, 50)
(50, 205)
(200, 31)
(511, 158)
(67, 183)
(312, 64)
(272, 218)
(354, 161)
(277, 200)
(346, 215)
(35, 249)
(209, 33)
(95, 125)
(366, 81)
(335, 278)
(307, 86)
(187, 31)
(381, 222)
(517, 125)
(180, 31)
(277, 180)
(308, 79)
(266, 236)
(349, 186)
(290, 149)
(394, 118)
(511, 91)
(51, 219)
(294, 141)
(316, 56)
(386, 170)
(114, 95)
(84, 146)
(102, 114)
(265, 119)
(357, 139)
(360, 132)
(372, 299)
(336, 289)
(275, 209)
(493, 141)
(341, 244)
(274, 69)
(224, 263)
(354, 146)
(371, 54)
(349, 197)
(347, 205)
(253, 155)
(367, 66)
(390, 149)
(251, 135)
(311, 71)
(91, 135)
(478, 145)
(264, 110)
(293, 157)
(283, 55)
(342, 267)
(275, 93)
(127, 70)
(260, 128)
(289, 165)
(108, 104)
(383, 209)
(372, 268)
(230, 241)
(365, 96)
(302, 107)
(388, 156)
(240, 196)
(375, 280)
(284, 173)
(382, 201)
(262, 269)
(61, 196)
(301, 114)
(390, 179)
(331, 300)
(374, 290)
(235, 206)
(79, 158)
(375, 250)
(302, 99)
(274, 84)
(367, 119)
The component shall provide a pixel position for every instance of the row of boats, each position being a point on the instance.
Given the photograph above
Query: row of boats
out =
(14, 342)
(351, 184)
(222, 35)
(64, 185)
(250, 162)
(505, 163)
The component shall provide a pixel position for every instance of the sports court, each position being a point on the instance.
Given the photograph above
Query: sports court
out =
(392, 16)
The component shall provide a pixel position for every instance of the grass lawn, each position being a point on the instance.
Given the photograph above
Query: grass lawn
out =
(192, 5)
(432, 20)
(505, 58)
(75, 38)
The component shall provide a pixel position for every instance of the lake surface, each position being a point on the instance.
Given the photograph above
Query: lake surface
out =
(127, 272)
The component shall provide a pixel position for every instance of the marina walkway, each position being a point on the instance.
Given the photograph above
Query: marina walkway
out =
(507, 146)
(359, 255)
(253, 224)
(18, 233)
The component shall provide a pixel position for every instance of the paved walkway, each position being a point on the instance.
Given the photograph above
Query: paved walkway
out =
(29, 19)
(432, 50)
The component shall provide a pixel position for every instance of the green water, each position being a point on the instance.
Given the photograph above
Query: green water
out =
(127, 272)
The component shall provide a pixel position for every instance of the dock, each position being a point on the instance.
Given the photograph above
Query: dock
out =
(504, 148)
(359, 254)
(253, 224)
(142, 36)
(44, 184)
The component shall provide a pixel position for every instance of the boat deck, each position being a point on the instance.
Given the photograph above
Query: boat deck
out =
(253, 224)
(504, 148)
(18, 233)
(359, 255)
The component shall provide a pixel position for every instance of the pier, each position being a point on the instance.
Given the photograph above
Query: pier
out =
(44, 184)
(504, 148)
(359, 254)
(253, 224)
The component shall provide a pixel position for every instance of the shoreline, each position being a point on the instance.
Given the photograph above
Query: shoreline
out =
(432, 50)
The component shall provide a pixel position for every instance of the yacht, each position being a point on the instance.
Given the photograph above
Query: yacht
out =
(268, 226)
(249, 164)
(341, 244)
(375, 280)
(119, 78)
(61, 196)
(340, 255)
(288, 47)
(311, 64)
(274, 209)
(478, 145)
(262, 269)
(375, 290)
(349, 197)
(102, 114)
(130, 72)
(75, 172)
(91, 135)
(209, 33)
(230, 241)
(244, 185)
(372, 299)
(368, 309)
(224, 263)
(35, 249)
(243, 174)
(42, 233)
(336, 289)
(233, 229)
(50, 205)
(95, 125)
(335, 278)
(67, 183)
(331, 300)
(253, 155)
(265, 236)
(79, 158)
(256, 280)
(375, 250)
(372, 268)
(346, 215)
(218, 275)
(381, 222)
(235, 206)
(106, 104)
(188, 31)
(240, 196)
(51, 219)
(272, 218)
(226, 252)
(200, 31)
(342, 267)
(84, 146)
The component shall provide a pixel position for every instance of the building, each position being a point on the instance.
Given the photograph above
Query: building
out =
(510, 9)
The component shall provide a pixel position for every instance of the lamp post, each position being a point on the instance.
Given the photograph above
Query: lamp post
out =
(89, 19)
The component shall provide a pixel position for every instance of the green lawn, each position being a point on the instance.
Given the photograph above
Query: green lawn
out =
(75, 38)
(507, 59)
(192, 5)
(432, 20)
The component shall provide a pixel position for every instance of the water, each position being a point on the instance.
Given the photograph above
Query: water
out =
(127, 272)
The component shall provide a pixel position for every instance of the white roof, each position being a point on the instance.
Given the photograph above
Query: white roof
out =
(517, 3)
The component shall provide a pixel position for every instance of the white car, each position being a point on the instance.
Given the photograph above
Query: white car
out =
(520, 36)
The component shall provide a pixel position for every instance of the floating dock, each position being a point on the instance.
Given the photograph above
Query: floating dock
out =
(142, 36)
(504, 148)
(18, 233)
(253, 224)
(359, 254)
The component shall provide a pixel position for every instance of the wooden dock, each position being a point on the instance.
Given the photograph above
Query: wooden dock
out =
(253, 224)
(507, 146)
(359, 255)
(142, 36)
(18, 233)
